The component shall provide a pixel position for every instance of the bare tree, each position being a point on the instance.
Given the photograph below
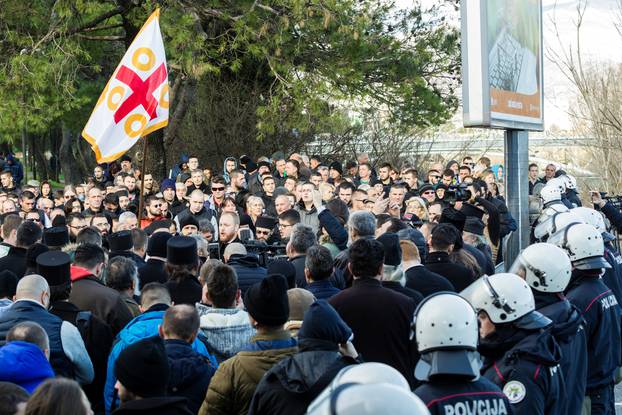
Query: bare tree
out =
(597, 107)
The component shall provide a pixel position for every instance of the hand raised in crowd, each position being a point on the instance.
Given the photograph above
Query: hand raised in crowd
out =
(597, 198)
(380, 205)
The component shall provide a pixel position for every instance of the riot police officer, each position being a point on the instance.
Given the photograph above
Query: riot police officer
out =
(551, 197)
(367, 389)
(600, 309)
(447, 336)
(546, 268)
(520, 354)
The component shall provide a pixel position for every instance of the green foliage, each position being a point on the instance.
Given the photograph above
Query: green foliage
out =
(310, 65)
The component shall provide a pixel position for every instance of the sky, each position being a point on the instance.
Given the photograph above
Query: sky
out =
(600, 42)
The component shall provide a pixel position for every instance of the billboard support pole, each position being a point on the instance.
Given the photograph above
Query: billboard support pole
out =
(517, 191)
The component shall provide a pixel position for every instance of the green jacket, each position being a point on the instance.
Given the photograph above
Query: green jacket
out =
(233, 385)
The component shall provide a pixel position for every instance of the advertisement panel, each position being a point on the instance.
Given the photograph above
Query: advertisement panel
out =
(502, 64)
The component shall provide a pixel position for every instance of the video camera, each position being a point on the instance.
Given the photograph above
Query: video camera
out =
(266, 253)
(457, 193)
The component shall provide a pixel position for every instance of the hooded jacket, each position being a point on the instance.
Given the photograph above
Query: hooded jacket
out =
(190, 373)
(141, 327)
(227, 330)
(293, 383)
(225, 174)
(525, 364)
(569, 331)
(24, 364)
(233, 385)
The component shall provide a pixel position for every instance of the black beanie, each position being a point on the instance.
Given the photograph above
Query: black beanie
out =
(474, 225)
(56, 236)
(8, 283)
(157, 244)
(54, 266)
(120, 241)
(142, 368)
(335, 165)
(188, 220)
(285, 268)
(267, 302)
(266, 222)
(33, 252)
(392, 250)
(182, 250)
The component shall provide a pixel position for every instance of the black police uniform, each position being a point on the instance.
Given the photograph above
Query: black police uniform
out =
(601, 312)
(525, 364)
(613, 276)
(569, 331)
(453, 395)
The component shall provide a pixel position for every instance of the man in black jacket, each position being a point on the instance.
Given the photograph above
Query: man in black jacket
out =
(393, 272)
(97, 336)
(418, 277)
(379, 317)
(190, 372)
(143, 372)
(153, 270)
(28, 233)
(246, 266)
(293, 383)
(441, 243)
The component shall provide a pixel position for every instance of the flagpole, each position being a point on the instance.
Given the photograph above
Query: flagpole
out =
(141, 200)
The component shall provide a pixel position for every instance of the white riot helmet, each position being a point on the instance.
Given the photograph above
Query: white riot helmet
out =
(505, 298)
(550, 194)
(544, 266)
(357, 399)
(375, 376)
(594, 218)
(557, 222)
(569, 181)
(557, 182)
(446, 331)
(584, 244)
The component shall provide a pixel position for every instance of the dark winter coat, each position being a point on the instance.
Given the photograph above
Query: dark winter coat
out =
(152, 271)
(459, 276)
(293, 383)
(525, 364)
(451, 394)
(569, 331)
(166, 405)
(248, 270)
(421, 279)
(408, 292)
(380, 319)
(190, 373)
(89, 293)
(185, 290)
(322, 290)
(97, 337)
(601, 312)
(14, 261)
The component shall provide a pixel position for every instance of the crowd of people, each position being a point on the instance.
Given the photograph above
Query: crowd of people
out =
(292, 285)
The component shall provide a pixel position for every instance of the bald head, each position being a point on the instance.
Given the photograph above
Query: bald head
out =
(234, 248)
(30, 332)
(33, 287)
(181, 322)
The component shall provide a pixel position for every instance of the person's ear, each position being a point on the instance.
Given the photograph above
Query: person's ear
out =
(350, 269)
(307, 275)
(160, 331)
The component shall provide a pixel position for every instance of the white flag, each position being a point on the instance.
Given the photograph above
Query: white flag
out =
(136, 99)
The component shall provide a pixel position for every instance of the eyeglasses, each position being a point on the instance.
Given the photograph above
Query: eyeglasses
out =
(258, 232)
(428, 192)
(78, 227)
(218, 189)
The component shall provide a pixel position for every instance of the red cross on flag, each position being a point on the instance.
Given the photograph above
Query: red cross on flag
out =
(135, 101)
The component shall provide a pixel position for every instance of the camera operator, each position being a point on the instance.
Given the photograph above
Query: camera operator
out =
(608, 208)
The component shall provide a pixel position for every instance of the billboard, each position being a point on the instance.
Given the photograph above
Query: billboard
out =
(502, 64)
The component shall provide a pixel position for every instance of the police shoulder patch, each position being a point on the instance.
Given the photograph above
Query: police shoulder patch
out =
(515, 391)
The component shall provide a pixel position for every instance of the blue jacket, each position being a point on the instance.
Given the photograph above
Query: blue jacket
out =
(24, 364)
(248, 270)
(601, 312)
(190, 373)
(569, 331)
(323, 289)
(141, 327)
(613, 276)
